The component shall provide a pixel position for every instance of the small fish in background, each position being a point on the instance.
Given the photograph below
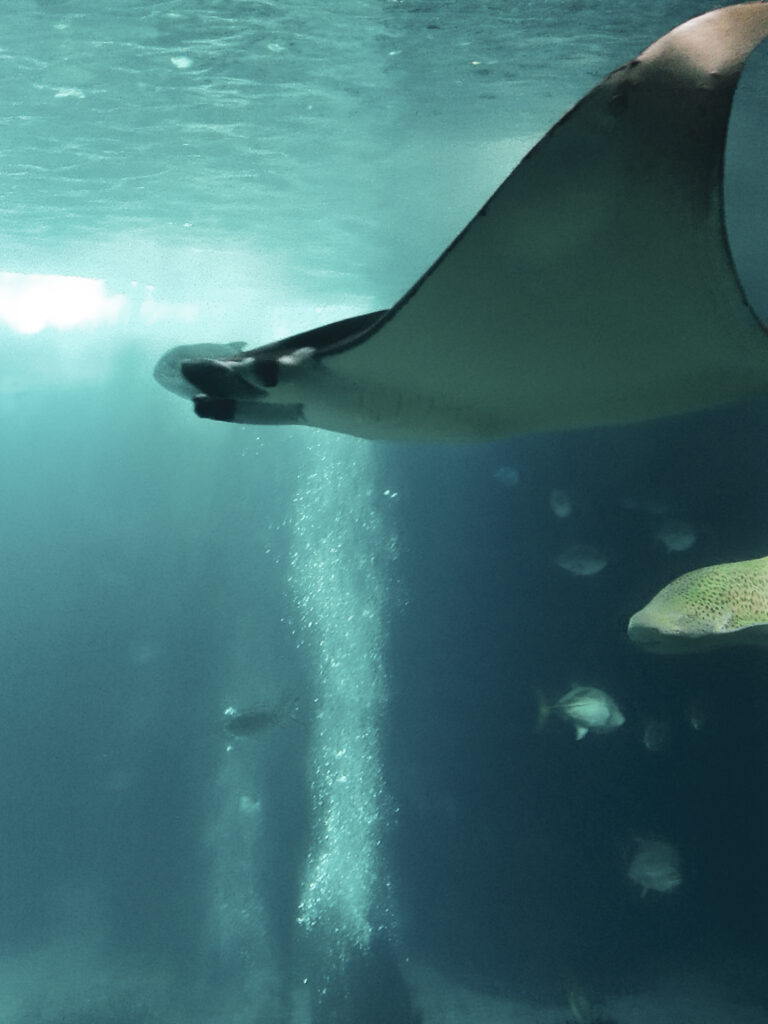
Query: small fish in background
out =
(655, 734)
(507, 476)
(696, 715)
(676, 535)
(589, 708)
(581, 560)
(655, 506)
(583, 1010)
(560, 503)
(580, 1006)
(256, 720)
(655, 865)
(248, 806)
(651, 506)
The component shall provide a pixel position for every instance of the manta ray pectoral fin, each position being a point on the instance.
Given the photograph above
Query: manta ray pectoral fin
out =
(595, 286)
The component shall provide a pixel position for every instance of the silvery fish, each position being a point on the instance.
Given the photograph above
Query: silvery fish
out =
(655, 865)
(255, 720)
(583, 1010)
(589, 708)
(560, 503)
(676, 535)
(655, 734)
(508, 476)
(581, 560)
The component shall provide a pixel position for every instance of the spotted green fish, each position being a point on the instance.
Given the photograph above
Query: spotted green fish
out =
(708, 607)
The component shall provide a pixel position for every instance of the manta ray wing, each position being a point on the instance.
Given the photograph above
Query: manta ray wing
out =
(595, 286)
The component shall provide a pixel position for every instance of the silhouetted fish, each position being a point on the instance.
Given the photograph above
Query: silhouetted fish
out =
(655, 865)
(255, 720)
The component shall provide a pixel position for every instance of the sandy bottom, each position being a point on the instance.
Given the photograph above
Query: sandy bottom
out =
(71, 983)
(681, 1000)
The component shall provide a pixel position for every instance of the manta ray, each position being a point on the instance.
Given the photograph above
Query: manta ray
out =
(595, 286)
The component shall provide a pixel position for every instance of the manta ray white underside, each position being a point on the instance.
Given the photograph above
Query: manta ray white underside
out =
(595, 286)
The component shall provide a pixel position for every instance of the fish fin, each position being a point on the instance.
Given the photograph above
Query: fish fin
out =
(581, 732)
(543, 709)
(595, 285)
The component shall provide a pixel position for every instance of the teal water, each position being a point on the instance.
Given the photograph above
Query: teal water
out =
(401, 839)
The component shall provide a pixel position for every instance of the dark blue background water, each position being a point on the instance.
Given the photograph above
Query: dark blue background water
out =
(529, 834)
(304, 162)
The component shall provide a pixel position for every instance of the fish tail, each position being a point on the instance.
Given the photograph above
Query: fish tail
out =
(544, 709)
(294, 712)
